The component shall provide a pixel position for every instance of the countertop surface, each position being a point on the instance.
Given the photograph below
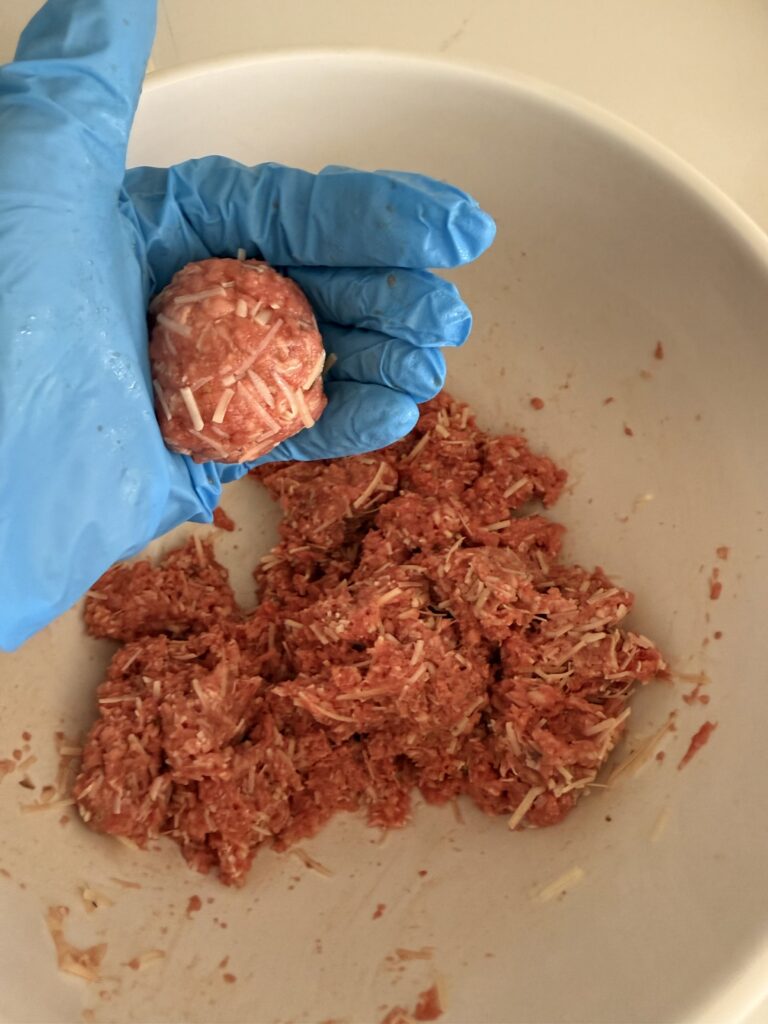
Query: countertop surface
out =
(692, 73)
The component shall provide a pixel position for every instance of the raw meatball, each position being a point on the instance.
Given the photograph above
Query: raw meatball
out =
(236, 360)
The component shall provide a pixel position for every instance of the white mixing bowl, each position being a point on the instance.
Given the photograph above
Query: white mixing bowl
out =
(606, 245)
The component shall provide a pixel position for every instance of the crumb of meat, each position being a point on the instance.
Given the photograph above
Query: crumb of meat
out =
(628, 431)
(658, 352)
(715, 586)
(380, 908)
(608, 400)
(187, 593)
(417, 631)
(698, 740)
(229, 978)
(222, 520)
(722, 552)
(537, 403)
(428, 1007)
(193, 905)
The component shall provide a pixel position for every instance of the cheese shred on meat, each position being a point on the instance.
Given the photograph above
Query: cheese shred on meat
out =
(416, 631)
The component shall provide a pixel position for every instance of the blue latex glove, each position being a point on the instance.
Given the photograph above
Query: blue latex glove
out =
(84, 474)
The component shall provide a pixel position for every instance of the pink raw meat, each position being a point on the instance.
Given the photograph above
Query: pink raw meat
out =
(237, 360)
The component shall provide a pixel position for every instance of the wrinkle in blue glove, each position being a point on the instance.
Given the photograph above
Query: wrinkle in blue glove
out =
(84, 472)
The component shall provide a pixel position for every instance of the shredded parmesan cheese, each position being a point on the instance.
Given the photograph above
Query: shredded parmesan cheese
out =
(192, 408)
(304, 414)
(375, 481)
(162, 399)
(515, 487)
(607, 723)
(247, 363)
(289, 394)
(501, 525)
(660, 824)
(642, 754)
(250, 397)
(561, 885)
(524, 806)
(207, 293)
(222, 405)
(262, 389)
(174, 325)
(144, 960)
(217, 447)
(418, 448)
(315, 372)
(310, 862)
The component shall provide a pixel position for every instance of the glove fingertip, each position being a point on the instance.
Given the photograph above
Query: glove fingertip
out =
(473, 230)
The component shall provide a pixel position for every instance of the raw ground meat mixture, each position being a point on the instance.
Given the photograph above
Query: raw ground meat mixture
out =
(236, 360)
(415, 630)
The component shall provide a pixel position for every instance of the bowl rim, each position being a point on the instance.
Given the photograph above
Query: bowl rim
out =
(727, 211)
(748, 989)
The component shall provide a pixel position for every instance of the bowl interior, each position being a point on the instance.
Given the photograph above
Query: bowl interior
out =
(605, 247)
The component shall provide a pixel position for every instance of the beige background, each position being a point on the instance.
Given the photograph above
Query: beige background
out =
(693, 73)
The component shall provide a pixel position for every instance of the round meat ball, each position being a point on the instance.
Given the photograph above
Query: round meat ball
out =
(236, 358)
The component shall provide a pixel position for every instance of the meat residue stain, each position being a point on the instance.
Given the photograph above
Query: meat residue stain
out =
(658, 352)
(696, 696)
(194, 904)
(698, 740)
(628, 431)
(84, 963)
(425, 953)
(722, 552)
(608, 400)
(229, 978)
(697, 680)
(380, 908)
(715, 586)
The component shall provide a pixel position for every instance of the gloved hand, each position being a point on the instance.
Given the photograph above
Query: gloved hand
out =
(84, 474)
